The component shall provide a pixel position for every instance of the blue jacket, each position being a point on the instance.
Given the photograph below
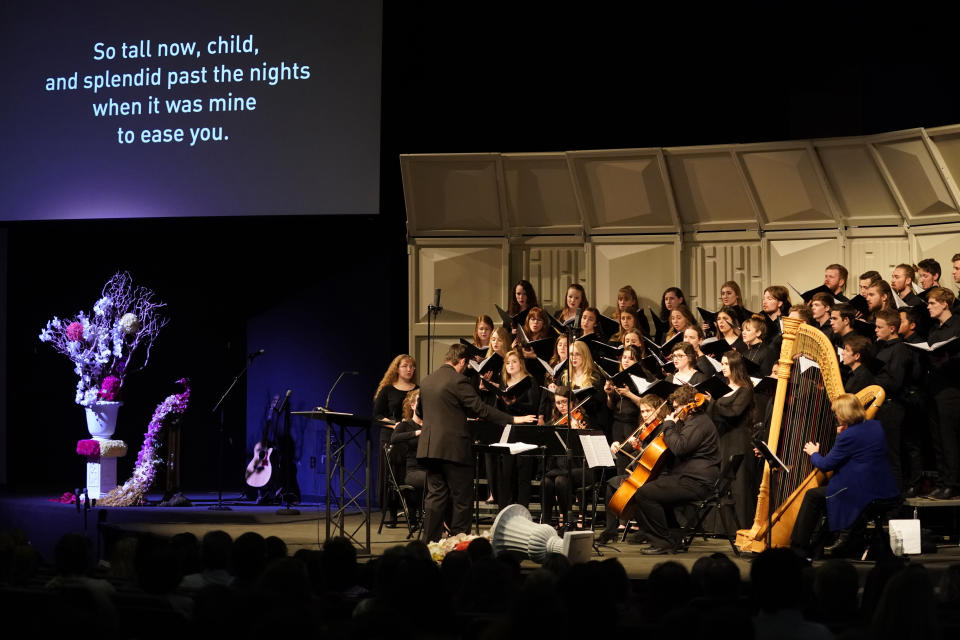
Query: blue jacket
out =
(862, 473)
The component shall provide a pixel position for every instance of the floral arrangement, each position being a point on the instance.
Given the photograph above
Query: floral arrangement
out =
(103, 345)
(459, 542)
(134, 491)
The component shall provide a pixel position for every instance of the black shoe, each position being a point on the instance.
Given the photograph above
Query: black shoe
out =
(944, 493)
(637, 538)
(654, 550)
(604, 537)
(838, 545)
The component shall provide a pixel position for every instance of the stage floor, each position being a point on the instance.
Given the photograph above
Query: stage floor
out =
(45, 521)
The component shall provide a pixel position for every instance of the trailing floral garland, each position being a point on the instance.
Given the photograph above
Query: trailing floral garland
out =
(134, 491)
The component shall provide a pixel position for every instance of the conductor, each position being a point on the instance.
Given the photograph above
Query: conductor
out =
(446, 397)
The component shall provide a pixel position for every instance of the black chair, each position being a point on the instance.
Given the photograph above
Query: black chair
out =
(718, 499)
(406, 494)
(857, 541)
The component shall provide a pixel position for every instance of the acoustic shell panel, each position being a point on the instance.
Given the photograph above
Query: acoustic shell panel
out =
(453, 195)
(918, 180)
(551, 269)
(623, 190)
(648, 266)
(862, 194)
(539, 194)
(707, 265)
(788, 188)
(875, 254)
(471, 278)
(941, 246)
(710, 190)
(800, 261)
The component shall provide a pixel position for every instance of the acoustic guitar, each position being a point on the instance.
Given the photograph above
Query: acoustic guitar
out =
(260, 469)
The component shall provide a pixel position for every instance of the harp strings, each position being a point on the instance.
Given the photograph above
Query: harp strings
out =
(807, 417)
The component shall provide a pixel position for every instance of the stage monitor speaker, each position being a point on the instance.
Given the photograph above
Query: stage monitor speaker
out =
(514, 530)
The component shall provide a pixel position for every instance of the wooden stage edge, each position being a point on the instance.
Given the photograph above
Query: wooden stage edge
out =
(46, 521)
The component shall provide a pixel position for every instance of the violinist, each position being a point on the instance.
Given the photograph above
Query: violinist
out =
(653, 409)
(585, 376)
(689, 475)
(560, 481)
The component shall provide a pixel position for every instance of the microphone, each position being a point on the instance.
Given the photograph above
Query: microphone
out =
(253, 355)
(340, 377)
(435, 307)
(576, 324)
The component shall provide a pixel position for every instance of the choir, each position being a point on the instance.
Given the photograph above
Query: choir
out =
(900, 334)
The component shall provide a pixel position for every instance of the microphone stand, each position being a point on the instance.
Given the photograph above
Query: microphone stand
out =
(218, 410)
(571, 330)
(432, 310)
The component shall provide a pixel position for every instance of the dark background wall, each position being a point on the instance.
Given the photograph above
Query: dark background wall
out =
(327, 294)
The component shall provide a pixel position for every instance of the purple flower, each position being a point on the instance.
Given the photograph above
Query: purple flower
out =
(110, 388)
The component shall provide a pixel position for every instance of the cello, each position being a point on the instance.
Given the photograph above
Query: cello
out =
(649, 462)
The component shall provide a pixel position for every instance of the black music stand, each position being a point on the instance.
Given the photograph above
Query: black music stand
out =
(349, 429)
(776, 464)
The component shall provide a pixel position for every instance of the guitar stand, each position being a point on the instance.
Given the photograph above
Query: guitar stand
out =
(286, 509)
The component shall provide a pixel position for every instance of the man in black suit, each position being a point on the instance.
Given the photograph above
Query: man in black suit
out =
(446, 397)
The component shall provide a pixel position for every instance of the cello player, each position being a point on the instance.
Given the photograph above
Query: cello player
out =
(688, 476)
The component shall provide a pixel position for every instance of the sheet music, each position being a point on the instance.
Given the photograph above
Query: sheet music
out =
(515, 447)
(597, 451)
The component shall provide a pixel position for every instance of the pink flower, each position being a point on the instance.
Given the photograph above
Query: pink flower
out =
(88, 448)
(109, 388)
(74, 332)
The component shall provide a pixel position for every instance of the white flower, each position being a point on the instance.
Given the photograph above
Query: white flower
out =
(103, 305)
(130, 324)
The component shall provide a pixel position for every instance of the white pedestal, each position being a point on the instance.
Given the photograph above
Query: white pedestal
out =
(101, 477)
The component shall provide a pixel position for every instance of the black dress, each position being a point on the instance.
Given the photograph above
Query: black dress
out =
(389, 404)
(516, 471)
(405, 440)
(734, 415)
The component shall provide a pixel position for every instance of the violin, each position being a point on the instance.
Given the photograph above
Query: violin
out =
(577, 415)
(651, 460)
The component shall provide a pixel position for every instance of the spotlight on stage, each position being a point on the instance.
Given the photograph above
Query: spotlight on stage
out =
(515, 530)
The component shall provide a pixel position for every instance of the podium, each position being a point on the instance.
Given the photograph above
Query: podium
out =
(348, 429)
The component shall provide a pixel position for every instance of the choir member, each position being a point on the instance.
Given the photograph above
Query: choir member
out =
(590, 323)
(734, 416)
(628, 321)
(856, 350)
(866, 279)
(684, 357)
(901, 282)
(694, 337)
(516, 472)
(524, 297)
(728, 326)
(623, 404)
(535, 327)
(928, 273)
(752, 332)
(841, 322)
(680, 318)
(575, 299)
(898, 368)
(482, 330)
(775, 303)
(406, 438)
(835, 279)
(943, 378)
(879, 296)
(671, 299)
(820, 306)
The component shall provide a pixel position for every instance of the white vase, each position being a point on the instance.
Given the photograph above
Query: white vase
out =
(102, 419)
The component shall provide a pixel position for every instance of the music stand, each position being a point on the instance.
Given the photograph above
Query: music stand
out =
(776, 464)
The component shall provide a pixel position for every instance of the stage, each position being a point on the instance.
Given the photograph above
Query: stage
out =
(45, 521)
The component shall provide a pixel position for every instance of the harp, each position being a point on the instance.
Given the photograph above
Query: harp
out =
(808, 380)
